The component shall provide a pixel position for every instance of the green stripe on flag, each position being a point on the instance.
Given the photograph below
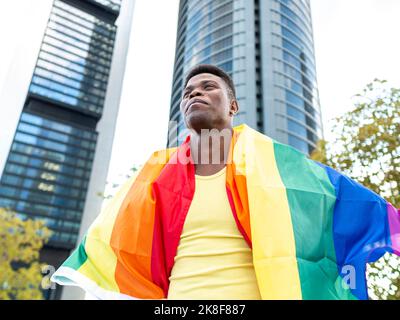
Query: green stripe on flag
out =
(78, 257)
(311, 199)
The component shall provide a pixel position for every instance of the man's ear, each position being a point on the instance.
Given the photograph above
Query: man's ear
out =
(234, 108)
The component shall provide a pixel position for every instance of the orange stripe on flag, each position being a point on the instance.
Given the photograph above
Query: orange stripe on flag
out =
(132, 235)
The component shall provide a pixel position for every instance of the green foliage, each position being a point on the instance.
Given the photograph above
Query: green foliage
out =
(20, 243)
(366, 147)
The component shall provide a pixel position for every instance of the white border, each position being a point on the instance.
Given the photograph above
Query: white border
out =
(68, 276)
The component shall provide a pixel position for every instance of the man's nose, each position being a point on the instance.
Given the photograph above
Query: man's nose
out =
(195, 92)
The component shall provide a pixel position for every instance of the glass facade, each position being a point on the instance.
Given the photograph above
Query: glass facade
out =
(267, 47)
(49, 165)
(47, 174)
(204, 36)
(113, 5)
(294, 73)
(75, 59)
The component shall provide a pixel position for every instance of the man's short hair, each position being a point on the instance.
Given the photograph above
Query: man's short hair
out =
(209, 68)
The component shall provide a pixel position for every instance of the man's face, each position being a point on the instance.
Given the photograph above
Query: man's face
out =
(205, 103)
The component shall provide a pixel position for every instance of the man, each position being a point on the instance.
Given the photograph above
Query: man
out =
(232, 214)
(213, 259)
(208, 106)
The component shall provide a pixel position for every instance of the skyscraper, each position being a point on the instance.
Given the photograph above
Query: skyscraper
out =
(59, 154)
(267, 47)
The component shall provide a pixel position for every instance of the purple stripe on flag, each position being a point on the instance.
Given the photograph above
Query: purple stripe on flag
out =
(394, 223)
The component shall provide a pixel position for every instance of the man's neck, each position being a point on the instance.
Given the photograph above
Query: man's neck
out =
(210, 149)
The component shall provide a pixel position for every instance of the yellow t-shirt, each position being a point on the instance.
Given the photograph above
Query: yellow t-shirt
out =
(213, 260)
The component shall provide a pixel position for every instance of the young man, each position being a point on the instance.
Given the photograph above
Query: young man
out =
(213, 260)
(232, 214)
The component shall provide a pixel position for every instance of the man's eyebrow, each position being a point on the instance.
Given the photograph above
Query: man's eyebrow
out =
(202, 83)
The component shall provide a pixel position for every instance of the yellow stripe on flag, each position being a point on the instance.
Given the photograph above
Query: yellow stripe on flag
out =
(274, 251)
(98, 246)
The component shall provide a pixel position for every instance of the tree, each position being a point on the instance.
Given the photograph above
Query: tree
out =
(20, 243)
(366, 147)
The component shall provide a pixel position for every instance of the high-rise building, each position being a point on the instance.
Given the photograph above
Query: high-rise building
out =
(58, 155)
(267, 47)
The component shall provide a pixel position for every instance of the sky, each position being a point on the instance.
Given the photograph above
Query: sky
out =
(9, 14)
(356, 41)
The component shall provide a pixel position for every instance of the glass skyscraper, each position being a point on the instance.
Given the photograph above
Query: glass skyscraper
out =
(51, 157)
(267, 47)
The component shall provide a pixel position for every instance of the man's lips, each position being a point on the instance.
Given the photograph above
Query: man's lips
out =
(194, 102)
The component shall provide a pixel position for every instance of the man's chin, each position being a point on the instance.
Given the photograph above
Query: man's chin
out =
(198, 121)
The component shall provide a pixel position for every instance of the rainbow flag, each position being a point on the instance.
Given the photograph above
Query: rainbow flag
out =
(312, 230)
